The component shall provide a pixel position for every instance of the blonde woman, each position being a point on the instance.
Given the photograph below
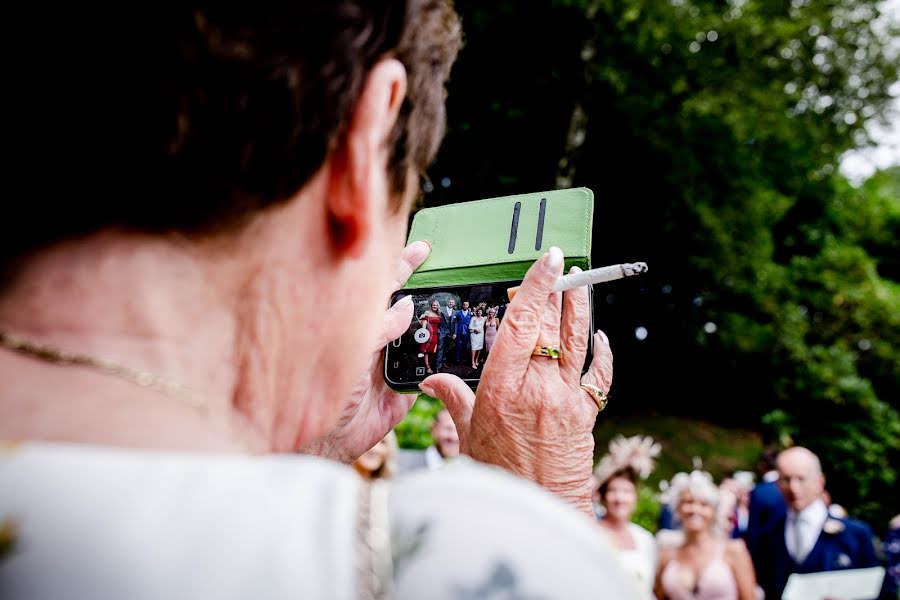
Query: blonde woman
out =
(490, 330)
(706, 565)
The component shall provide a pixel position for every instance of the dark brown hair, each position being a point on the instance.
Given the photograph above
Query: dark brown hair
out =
(190, 119)
(625, 472)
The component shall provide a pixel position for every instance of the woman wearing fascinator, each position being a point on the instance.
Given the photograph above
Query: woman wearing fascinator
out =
(628, 461)
(705, 565)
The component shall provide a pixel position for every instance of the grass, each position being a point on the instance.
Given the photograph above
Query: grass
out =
(722, 450)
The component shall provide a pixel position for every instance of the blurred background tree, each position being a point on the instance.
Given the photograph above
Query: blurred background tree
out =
(711, 132)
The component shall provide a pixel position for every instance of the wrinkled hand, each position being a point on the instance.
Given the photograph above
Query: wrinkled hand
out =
(530, 414)
(373, 409)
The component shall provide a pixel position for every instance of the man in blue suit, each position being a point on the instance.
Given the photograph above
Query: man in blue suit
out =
(446, 331)
(807, 539)
(766, 503)
(462, 329)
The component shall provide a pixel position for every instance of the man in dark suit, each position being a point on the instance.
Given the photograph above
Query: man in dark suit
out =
(807, 539)
(462, 330)
(766, 503)
(446, 331)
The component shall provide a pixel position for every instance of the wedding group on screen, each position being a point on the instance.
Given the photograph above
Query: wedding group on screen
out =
(461, 336)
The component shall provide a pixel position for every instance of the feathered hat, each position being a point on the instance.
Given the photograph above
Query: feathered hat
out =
(636, 453)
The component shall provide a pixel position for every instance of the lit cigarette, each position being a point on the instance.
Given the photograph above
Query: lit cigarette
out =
(601, 275)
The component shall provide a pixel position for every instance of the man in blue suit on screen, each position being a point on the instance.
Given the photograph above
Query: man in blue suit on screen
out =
(462, 331)
(446, 332)
(807, 539)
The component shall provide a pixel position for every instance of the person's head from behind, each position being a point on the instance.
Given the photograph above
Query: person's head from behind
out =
(767, 461)
(695, 498)
(800, 477)
(619, 494)
(743, 483)
(380, 461)
(446, 438)
(276, 149)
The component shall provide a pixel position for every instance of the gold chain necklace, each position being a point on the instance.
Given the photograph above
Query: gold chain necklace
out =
(144, 379)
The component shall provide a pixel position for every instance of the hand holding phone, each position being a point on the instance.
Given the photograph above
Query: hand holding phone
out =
(530, 414)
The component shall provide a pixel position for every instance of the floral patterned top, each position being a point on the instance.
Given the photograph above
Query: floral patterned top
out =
(96, 522)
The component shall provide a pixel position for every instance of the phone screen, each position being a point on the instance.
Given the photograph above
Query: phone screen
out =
(452, 330)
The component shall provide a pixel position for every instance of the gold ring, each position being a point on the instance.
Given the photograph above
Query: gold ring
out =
(548, 351)
(597, 395)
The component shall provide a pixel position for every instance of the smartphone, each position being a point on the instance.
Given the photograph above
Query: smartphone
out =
(441, 341)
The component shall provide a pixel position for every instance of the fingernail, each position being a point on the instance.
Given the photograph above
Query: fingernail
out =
(603, 337)
(426, 242)
(404, 301)
(575, 269)
(427, 389)
(555, 258)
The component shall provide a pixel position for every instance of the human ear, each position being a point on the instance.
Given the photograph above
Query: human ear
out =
(359, 185)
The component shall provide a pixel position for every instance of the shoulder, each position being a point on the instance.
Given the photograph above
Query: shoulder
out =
(768, 490)
(640, 534)
(848, 528)
(463, 530)
(666, 554)
(195, 514)
(669, 539)
(736, 549)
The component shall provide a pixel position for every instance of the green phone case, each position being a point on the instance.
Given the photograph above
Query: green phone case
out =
(498, 239)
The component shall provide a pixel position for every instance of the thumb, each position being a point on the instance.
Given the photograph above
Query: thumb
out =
(396, 321)
(457, 397)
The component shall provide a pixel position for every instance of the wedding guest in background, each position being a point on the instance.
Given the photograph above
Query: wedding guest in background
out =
(380, 461)
(707, 565)
(628, 461)
(890, 545)
(807, 539)
(444, 448)
(766, 502)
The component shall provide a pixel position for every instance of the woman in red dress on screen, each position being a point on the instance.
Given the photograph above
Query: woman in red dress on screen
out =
(430, 321)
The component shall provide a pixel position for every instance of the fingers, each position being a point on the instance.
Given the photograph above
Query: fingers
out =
(410, 259)
(396, 321)
(575, 329)
(550, 325)
(525, 315)
(457, 397)
(600, 372)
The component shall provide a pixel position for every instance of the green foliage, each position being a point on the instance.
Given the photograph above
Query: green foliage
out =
(711, 136)
(646, 513)
(415, 429)
(722, 449)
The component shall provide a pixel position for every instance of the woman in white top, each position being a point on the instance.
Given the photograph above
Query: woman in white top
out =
(160, 368)
(617, 474)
